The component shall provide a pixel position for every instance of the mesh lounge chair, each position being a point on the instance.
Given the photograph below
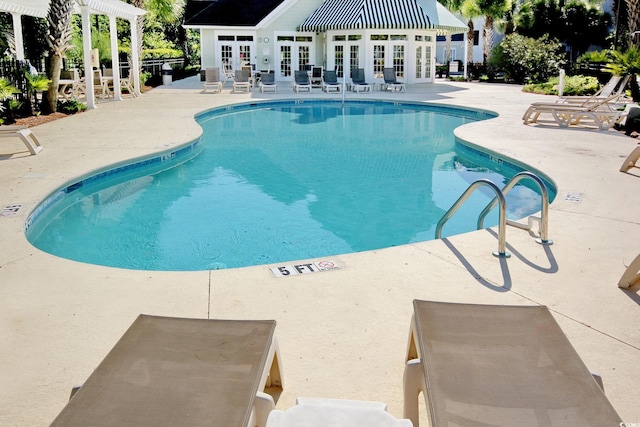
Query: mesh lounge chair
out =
(357, 81)
(212, 80)
(390, 81)
(268, 82)
(603, 113)
(330, 82)
(241, 81)
(182, 372)
(24, 133)
(480, 365)
(615, 86)
(301, 81)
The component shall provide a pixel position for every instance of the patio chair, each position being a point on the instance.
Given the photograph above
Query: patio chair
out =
(301, 81)
(212, 80)
(498, 365)
(268, 82)
(604, 113)
(313, 412)
(390, 81)
(316, 76)
(126, 83)
(358, 83)
(24, 133)
(241, 81)
(168, 371)
(330, 82)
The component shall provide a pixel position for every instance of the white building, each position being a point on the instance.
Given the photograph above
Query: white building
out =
(288, 35)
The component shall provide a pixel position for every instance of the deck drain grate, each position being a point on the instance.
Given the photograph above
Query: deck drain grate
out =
(573, 197)
(10, 210)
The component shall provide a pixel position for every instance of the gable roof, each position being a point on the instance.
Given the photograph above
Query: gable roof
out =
(228, 13)
(381, 14)
(40, 8)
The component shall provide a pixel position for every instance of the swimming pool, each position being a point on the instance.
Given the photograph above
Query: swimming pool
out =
(278, 181)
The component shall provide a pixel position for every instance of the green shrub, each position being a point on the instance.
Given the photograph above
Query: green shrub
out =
(573, 85)
(70, 106)
(525, 59)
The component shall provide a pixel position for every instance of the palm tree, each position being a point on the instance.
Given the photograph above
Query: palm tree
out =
(58, 39)
(163, 10)
(633, 17)
(491, 10)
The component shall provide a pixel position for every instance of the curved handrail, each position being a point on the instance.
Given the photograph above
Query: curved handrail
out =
(544, 203)
(502, 221)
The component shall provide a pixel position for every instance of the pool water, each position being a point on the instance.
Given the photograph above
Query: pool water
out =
(277, 182)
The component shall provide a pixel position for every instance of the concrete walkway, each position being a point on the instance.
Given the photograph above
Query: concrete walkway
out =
(342, 333)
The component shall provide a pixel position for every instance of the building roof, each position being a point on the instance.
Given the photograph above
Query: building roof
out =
(381, 14)
(39, 8)
(228, 13)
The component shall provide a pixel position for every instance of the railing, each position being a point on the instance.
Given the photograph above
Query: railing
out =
(544, 207)
(502, 221)
(502, 216)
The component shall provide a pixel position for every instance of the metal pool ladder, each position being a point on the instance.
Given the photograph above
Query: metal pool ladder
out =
(502, 216)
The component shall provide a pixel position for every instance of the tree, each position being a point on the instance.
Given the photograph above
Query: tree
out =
(491, 10)
(633, 19)
(58, 38)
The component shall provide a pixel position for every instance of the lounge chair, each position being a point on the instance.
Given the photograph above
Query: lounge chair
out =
(24, 133)
(631, 160)
(310, 412)
(390, 81)
(358, 83)
(330, 82)
(126, 83)
(631, 276)
(182, 372)
(212, 80)
(604, 113)
(480, 365)
(316, 76)
(268, 82)
(241, 81)
(301, 81)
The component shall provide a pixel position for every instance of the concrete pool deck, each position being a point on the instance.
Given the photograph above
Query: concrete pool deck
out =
(342, 333)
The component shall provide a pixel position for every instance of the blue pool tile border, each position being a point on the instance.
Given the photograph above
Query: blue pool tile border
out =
(165, 158)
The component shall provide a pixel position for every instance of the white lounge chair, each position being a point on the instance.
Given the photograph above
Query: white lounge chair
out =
(212, 80)
(241, 81)
(330, 82)
(168, 371)
(498, 365)
(390, 80)
(604, 113)
(310, 412)
(24, 133)
(268, 82)
(301, 81)
(631, 275)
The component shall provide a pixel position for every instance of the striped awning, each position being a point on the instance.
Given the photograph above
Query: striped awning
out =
(381, 14)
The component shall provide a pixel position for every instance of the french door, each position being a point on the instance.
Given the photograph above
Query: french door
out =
(236, 51)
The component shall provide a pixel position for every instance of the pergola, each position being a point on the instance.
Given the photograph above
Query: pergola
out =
(112, 8)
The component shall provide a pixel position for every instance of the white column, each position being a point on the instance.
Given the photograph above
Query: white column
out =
(115, 61)
(135, 62)
(17, 35)
(466, 54)
(86, 47)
